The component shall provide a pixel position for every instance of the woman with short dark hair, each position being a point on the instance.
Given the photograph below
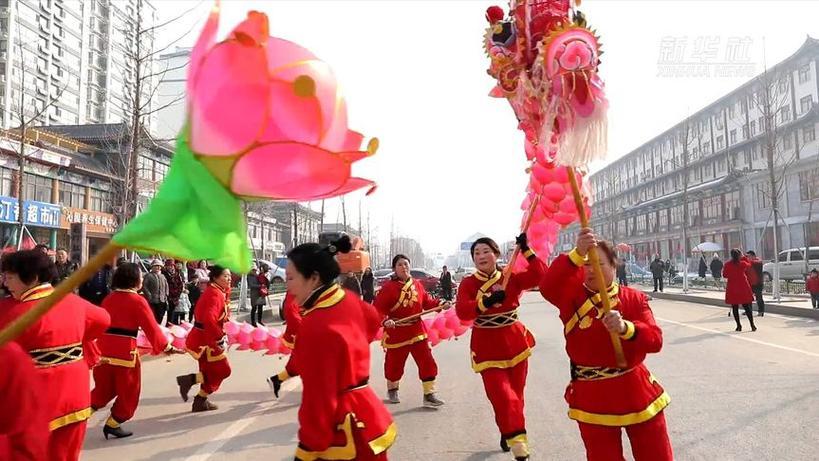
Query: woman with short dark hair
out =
(207, 341)
(339, 410)
(501, 344)
(119, 377)
(57, 343)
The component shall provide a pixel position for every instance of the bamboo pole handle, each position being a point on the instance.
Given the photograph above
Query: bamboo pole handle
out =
(419, 314)
(20, 324)
(598, 271)
(507, 272)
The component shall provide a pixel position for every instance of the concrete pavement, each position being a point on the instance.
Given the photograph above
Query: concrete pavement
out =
(735, 396)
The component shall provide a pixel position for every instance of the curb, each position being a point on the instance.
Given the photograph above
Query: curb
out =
(770, 307)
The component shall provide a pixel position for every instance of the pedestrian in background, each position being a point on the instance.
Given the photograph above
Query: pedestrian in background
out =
(702, 270)
(737, 288)
(95, 289)
(812, 286)
(259, 286)
(756, 280)
(155, 290)
(368, 285)
(446, 284)
(716, 270)
(622, 277)
(64, 267)
(350, 282)
(657, 268)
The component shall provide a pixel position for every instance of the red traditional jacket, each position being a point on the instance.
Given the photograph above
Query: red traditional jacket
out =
(292, 315)
(56, 343)
(397, 300)
(334, 358)
(23, 421)
(129, 312)
(737, 288)
(600, 392)
(499, 339)
(211, 312)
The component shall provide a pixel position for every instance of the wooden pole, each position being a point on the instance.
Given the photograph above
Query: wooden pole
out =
(598, 271)
(507, 272)
(20, 324)
(412, 317)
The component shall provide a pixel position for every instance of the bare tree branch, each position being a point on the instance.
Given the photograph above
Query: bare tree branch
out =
(171, 21)
(176, 100)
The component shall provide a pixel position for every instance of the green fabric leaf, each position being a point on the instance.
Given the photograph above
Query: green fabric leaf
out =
(192, 217)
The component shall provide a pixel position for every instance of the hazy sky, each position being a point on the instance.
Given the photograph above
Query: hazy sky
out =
(451, 161)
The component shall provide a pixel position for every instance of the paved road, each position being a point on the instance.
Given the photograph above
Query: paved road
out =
(735, 396)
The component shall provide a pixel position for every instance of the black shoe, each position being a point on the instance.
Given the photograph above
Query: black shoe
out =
(739, 328)
(504, 446)
(753, 327)
(253, 324)
(761, 314)
(116, 432)
(260, 323)
(202, 404)
(275, 384)
(185, 383)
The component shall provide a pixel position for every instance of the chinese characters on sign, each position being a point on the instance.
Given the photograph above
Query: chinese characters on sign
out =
(97, 222)
(34, 213)
(705, 57)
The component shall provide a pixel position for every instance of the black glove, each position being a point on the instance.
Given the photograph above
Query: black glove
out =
(523, 242)
(496, 297)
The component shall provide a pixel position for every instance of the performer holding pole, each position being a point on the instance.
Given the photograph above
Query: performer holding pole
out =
(604, 397)
(207, 341)
(292, 315)
(340, 415)
(501, 344)
(401, 297)
(56, 342)
(119, 376)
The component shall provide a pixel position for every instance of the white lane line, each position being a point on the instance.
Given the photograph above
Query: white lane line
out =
(208, 450)
(741, 338)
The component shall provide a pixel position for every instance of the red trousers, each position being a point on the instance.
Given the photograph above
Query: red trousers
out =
(395, 359)
(65, 443)
(649, 441)
(120, 383)
(504, 388)
(291, 368)
(213, 373)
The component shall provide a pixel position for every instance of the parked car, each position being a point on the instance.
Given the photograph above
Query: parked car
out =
(461, 272)
(792, 264)
(381, 276)
(428, 280)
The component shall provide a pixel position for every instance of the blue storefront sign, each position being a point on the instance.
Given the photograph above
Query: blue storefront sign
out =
(39, 214)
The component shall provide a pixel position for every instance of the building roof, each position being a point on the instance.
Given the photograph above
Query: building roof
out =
(95, 132)
(704, 187)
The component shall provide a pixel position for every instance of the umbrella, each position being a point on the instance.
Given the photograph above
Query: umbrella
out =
(624, 247)
(707, 247)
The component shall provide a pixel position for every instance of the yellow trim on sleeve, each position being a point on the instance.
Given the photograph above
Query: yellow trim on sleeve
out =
(382, 443)
(630, 330)
(578, 260)
(408, 342)
(479, 367)
(481, 307)
(334, 452)
(71, 418)
(629, 419)
(528, 253)
(121, 362)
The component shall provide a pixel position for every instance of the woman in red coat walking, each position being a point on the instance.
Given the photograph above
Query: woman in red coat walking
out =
(738, 289)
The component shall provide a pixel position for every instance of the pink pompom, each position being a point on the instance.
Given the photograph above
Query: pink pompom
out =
(257, 345)
(259, 334)
(178, 343)
(461, 329)
(553, 192)
(243, 338)
(188, 326)
(563, 219)
(434, 338)
(142, 340)
(243, 347)
(542, 174)
(445, 333)
(232, 328)
(272, 344)
(428, 324)
(275, 332)
(452, 322)
(246, 328)
(178, 332)
(379, 334)
(567, 206)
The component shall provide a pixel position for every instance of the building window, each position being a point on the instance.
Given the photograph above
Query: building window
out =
(731, 111)
(706, 148)
(808, 134)
(753, 127)
(733, 136)
(641, 224)
(694, 213)
(720, 142)
(785, 114)
(732, 206)
(676, 215)
(101, 201)
(763, 195)
(718, 121)
(38, 188)
(783, 85)
(761, 124)
(805, 104)
(809, 184)
(712, 207)
(804, 73)
(72, 195)
(652, 222)
(787, 141)
(161, 171)
(745, 132)
(6, 180)
(145, 168)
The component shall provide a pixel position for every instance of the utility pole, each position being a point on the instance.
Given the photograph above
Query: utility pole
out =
(344, 213)
(295, 224)
(321, 223)
(360, 228)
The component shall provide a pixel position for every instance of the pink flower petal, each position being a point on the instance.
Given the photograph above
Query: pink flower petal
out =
(203, 44)
(254, 28)
(226, 115)
(292, 118)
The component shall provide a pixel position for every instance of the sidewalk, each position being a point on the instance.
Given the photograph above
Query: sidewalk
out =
(270, 315)
(796, 306)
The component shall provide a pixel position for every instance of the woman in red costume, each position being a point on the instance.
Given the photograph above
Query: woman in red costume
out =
(207, 341)
(340, 415)
(402, 296)
(292, 315)
(501, 344)
(119, 375)
(56, 343)
(604, 398)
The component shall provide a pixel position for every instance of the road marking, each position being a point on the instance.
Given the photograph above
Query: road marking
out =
(209, 449)
(741, 338)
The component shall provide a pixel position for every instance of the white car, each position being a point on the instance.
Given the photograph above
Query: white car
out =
(792, 264)
(275, 274)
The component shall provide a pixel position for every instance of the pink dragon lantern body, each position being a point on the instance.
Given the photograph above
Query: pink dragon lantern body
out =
(544, 60)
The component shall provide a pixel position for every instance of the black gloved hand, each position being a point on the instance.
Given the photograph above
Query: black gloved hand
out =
(496, 297)
(522, 241)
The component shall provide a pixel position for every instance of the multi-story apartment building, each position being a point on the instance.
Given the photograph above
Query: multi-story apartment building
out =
(75, 59)
(716, 164)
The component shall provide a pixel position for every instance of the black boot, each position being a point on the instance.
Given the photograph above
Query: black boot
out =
(504, 446)
(202, 404)
(275, 384)
(117, 432)
(185, 383)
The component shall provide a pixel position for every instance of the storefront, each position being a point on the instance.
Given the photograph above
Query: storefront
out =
(86, 232)
(41, 220)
